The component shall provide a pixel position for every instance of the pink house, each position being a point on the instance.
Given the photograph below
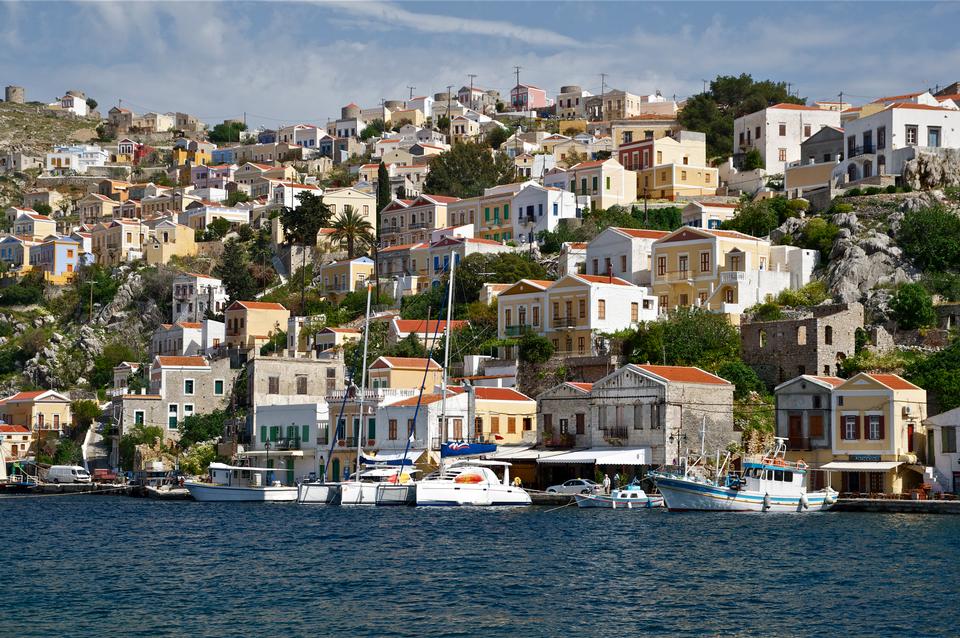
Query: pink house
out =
(525, 97)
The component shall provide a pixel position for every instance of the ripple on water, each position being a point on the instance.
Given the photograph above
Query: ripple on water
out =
(96, 565)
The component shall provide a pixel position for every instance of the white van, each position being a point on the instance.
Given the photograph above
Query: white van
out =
(67, 474)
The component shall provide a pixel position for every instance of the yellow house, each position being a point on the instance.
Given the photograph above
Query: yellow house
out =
(46, 411)
(168, 239)
(672, 166)
(34, 226)
(183, 156)
(605, 182)
(251, 324)
(495, 221)
(641, 127)
(94, 208)
(117, 241)
(335, 338)
(404, 373)
(724, 271)
(340, 278)
(503, 415)
(878, 437)
(342, 199)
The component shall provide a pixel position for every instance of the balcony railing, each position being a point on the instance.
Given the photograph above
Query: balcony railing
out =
(732, 277)
(559, 441)
(866, 149)
(284, 444)
(616, 432)
(564, 322)
(420, 225)
(528, 219)
(517, 330)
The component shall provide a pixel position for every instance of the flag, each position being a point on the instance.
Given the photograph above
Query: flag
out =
(497, 437)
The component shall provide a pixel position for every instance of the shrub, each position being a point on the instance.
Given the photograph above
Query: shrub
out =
(767, 311)
(931, 238)
(534, 348)
(890, 189)
(873, 190)
(912, 307)
(197, 428)
(840, 208)
(853, 192)
(742, 376)
(818, 234)
(813, 294)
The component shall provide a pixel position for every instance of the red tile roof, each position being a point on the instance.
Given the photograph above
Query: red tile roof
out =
(591, 164)
(603, 279)
(25, 396)
(190, 362)
(404, 362)
(794, 107)
(643, 233)
(426, 399)
(499, 394)
(420, 325)
(257, 305)
(189, 324)
(583, 387)
(919, 107)
(896, 98)
(11, 429)
(893, 381)
(684, 374)
(834, 381)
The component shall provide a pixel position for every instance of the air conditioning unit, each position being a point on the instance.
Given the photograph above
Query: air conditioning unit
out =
(907, 411)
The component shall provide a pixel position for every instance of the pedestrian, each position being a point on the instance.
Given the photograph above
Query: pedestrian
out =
(606, 483)
(616, 481)
(517, 482)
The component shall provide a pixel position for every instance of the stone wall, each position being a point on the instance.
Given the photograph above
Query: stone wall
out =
(814, 342)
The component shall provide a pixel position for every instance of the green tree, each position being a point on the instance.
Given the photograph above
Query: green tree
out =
(301, 225)
(818, 234)
(91, 103)
(467, 169)
(912, 307)
(534, 348)
(138, 435)
(759, 217)
(227, 132)
(84, 412)
(409, 346)
(939, 375)
(68, 453)
(198, 458)
(43, 209)
(113, 354)
(742, 376)
(373, 129)
(218, 228)
(729, 97)
(503, 268)
(351, 229)
(497, 136)
(443, 124)
(752, 160)
(686, 337)
(197, 428)
(234, 270)
(236, 197)
(931, 238)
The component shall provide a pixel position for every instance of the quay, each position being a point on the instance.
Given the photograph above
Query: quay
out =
(543, 498)
(897, 506)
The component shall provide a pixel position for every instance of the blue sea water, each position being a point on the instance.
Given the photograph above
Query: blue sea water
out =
(113, 566)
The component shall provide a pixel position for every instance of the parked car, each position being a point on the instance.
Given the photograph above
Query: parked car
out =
(575, 486)
(67, 474)
(103, 475)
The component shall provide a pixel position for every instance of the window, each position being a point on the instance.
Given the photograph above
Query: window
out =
(301, 384)
(512, 425)
(757, 132)
(828, 335)
(601, 309)
(684, 300)
(581, 345)
(607, 180)
(582, 308)
(948, 440)
(806, 130)
(536, 315)
(705, 262)
(851, 429)
(816, 403)
(782, 155)
(581, 423)
(881, 138)
(682, 266)
(595, 183)
(273, 385)
(495, 425)
(874, 427)
(783, 129)
(801, 335)
(623, 263)
(392, 430)
(683, 176)
(634, 311)
(663, 301)
(172, 416)
(138, 417)
(188, 387)
(187, 409)
(933, 136)
(702, 297)
(506, 212)
(661, 266)
(910, 134)
(218, 387)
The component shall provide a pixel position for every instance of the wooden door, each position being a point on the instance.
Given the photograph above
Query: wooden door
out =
(795, 432)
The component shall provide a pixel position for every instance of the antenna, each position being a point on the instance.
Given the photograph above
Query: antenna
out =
(471, 76)
(516, 70)
(603, 90)
(705, 85)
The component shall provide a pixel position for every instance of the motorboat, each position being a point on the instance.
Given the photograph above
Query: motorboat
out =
(768, 483)
(318, 493)
(471, 482)
(373, 485)
(631, 497)
(241, 483)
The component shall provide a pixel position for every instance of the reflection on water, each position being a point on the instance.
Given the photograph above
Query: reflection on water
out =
(124, 567)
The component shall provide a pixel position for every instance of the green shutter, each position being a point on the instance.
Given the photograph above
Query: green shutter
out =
(291, 432)
(263, 434)
(305, 435)
(608, 183)
(372, 428)
(218, 387)
(595, 182)
(506, 212)
(274, 433)
(356, 427)
(486, 214)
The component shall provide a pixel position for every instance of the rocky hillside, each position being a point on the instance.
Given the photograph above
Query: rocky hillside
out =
(32, 129)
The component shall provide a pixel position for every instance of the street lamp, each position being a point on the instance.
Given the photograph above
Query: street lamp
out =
(680, 438)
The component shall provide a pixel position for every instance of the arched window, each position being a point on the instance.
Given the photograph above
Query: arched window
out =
(763, 338)
(828, 335)
(801, 335)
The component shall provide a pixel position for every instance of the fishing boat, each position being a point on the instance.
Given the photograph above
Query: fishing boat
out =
(631, 497)
(768, 483)
(240, 483)
(471, 482)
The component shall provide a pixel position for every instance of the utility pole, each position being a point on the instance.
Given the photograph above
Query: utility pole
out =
(603, 90)
(472, 102)
(704, 87)
(449, 119)
(516, 70)
(411, 91)
(789, 84)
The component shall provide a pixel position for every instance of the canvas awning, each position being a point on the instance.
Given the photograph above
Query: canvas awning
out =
(525, 453)
(602, 456)
(861, 466)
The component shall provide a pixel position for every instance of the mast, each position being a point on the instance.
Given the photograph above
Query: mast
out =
(446, 358)
(363, 379)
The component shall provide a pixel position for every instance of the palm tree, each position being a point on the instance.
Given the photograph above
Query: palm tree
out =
(352, 229)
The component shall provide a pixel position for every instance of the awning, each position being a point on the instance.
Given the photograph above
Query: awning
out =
(861, 466)
(522, 453)
(390, 457)
(602, 456)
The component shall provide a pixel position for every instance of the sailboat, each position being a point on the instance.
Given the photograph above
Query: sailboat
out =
(465, 482)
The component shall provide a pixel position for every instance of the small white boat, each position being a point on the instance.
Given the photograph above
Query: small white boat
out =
(471, 482)
(378, 484)
(767, 484)
(631, 497)
(240, 483)
(317, 493)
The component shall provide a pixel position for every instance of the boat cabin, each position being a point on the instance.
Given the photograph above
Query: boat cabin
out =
(242, 476)
(772, 477)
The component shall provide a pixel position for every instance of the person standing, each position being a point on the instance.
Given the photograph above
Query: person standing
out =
(616, 481)
(606, 483)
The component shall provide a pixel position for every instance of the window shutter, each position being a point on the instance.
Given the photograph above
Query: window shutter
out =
(858, 431)
(882, 427)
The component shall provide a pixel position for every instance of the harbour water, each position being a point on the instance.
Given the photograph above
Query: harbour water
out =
(95, 566)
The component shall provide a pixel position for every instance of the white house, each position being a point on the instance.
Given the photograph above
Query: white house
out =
(880, 143)
(942, 441)
(623, 252)
(395, 422)
(74, 104)
(201, 217)
(423, 103)
(540, 208)
(293, 438)
(777, 131)
(707, 214)
(286, 193)
(194, 295)
(77, 158)
(185, 339)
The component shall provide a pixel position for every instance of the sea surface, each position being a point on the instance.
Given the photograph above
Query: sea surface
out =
(84, 565)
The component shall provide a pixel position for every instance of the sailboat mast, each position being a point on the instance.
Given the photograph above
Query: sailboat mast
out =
(363, 378)
(446, 358)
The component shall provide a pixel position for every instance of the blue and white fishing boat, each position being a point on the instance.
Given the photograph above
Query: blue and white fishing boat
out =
(769, 483)
(631, 497)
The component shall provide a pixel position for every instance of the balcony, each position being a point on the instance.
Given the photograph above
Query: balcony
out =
(530, 220)
(559, 441)
(517, 330)
(733, 277)
(419, 225)
(285, 444)
(564, 322)
(866, 149)
(615, 433)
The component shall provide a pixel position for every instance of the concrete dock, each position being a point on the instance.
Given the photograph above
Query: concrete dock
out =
(896, 506)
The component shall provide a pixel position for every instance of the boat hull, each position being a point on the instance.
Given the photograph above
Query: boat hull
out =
(612, 502)
(686, 495)
(388, 494)
(358, 493)
(318, 493)
(444, 493)
(206, 492)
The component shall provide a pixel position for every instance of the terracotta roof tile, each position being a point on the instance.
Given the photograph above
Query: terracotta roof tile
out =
(196, 362)
(893, 381)
(416, 363)
(604, 279)
(421, 325)
(583, 387)
(257, 305)
(643, 233)
(684, 374)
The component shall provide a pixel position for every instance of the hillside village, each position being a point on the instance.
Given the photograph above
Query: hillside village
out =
(633, 277)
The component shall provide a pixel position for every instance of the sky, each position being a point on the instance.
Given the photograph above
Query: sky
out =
(287, 62)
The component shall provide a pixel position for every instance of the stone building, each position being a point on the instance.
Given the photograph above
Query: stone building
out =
(283, 380)
(14, 94)
(815, 341)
